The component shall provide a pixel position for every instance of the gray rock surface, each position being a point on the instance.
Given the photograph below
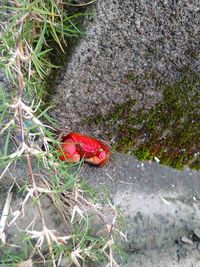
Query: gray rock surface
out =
(161, 206)
(130, 49)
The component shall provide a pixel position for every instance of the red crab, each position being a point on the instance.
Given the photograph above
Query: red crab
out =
(77, 146)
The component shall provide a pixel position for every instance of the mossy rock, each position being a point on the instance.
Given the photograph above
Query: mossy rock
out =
(169, 131)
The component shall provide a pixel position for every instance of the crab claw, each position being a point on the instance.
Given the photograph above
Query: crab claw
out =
(69, 152)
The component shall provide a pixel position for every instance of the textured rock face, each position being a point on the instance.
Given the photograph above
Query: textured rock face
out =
(130, 48)
(160, 204)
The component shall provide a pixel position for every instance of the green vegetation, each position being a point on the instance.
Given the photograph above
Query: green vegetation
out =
(29, 142)
(169, 131)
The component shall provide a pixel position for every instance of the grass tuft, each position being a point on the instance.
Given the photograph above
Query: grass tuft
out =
(30, 143)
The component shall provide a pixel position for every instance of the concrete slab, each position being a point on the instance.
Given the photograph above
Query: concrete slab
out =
(161, 205)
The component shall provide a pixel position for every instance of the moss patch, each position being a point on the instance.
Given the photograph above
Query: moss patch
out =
(169, 131)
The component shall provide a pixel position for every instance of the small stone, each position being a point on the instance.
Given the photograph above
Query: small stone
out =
(186, 240)
(157, 159)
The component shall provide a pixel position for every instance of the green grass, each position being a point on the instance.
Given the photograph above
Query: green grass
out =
(36, 30)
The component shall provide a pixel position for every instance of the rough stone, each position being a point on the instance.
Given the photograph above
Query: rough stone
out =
(160, 204)
(130, 48)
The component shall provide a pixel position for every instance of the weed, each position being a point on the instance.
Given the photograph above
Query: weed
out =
(29, 137)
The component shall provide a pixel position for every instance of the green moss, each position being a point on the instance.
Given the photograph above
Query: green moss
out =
(168, 131)
(143, 153)
(131, 76)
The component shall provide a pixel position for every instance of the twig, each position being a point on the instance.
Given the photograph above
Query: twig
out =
(5, 170)
(40, 209)
(27, 154)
